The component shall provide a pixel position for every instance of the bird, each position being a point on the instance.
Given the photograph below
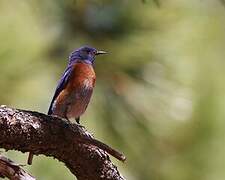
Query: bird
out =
(75, 87)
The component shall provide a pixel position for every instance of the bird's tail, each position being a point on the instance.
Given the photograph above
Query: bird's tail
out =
(30, 158)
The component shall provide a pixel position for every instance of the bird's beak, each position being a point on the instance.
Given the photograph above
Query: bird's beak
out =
(100, 52)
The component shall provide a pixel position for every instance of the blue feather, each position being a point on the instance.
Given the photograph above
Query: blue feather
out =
(61, 85)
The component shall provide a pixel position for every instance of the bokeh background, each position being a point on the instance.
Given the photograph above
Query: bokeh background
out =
(160, 94)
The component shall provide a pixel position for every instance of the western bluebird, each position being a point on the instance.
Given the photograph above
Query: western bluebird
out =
(75, 87)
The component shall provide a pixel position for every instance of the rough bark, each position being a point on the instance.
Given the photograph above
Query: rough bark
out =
(29, 131)
(12, 171)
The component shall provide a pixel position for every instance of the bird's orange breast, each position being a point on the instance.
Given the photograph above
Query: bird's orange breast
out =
(82, 76)
(76, 96)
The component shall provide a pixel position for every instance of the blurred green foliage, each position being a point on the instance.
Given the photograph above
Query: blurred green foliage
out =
(160, 94)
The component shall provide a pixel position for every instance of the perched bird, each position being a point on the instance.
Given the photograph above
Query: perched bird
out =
(75, 87)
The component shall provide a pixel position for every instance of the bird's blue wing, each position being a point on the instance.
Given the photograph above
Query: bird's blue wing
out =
(61, 85)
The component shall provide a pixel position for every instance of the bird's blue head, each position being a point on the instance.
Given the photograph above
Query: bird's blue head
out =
(84, 54)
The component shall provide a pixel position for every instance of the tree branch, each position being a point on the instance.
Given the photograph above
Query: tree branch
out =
(38, 133)
(12, 171)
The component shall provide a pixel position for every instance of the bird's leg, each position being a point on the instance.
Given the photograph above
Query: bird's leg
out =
(77, 120)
